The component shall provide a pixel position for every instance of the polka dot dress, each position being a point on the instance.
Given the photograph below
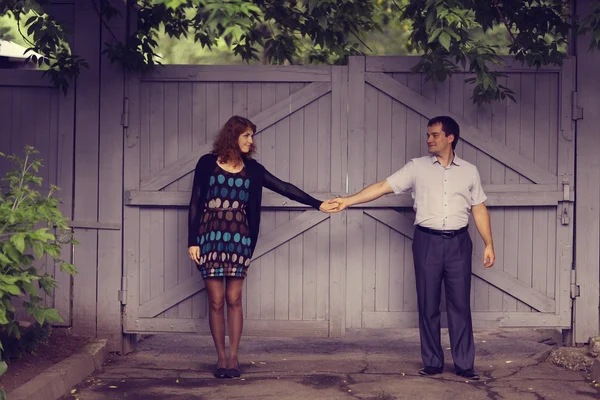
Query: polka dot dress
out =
(223, 236)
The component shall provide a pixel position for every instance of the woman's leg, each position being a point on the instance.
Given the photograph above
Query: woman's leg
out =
(235, 318)
(216, 317)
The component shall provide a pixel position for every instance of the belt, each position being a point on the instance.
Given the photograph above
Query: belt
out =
(444, 234)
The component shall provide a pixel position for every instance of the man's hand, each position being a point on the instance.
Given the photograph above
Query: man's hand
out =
(339, 203)
(489, 257)
(194, 253)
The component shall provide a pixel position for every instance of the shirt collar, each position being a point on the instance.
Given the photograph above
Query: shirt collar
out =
(456, 161)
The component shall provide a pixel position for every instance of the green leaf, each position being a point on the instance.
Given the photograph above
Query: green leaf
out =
(3, 365)
(42, 315)
(5, 260)
(3, 319)
(18, 241)
(30, 288)
(42, 235)
(445, 40)
(12, 289)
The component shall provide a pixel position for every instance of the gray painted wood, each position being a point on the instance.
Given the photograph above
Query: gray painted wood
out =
(87, 41)
(110, 188)
(587, 254)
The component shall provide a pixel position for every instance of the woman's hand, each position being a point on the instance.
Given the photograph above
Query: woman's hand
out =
(194, 253)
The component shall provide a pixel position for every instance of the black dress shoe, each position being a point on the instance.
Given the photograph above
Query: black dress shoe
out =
(234, 372)
(469, 374)
(425, 371)
(220, 373)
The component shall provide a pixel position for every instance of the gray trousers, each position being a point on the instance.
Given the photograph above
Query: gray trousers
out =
(440, 259)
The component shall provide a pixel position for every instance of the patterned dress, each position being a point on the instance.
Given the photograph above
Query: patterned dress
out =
(223, 235)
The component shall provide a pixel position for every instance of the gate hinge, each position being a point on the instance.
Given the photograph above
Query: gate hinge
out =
(574, 285)
(125, 114)
(123, 291)
(576, 111)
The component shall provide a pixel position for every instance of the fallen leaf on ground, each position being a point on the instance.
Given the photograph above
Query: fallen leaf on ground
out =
(403, 374)
(73, 391)
(112, 387)
(262, 362)
(508, 362)
(252, 362)
(177, 381)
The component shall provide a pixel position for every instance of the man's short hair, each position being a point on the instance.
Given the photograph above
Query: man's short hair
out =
(449, 126)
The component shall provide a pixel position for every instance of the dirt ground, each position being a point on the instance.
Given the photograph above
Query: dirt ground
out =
(60, 345)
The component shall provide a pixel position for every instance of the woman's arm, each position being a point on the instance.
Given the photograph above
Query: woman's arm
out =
(291, 192)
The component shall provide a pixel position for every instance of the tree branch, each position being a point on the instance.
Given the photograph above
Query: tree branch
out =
(514, 40)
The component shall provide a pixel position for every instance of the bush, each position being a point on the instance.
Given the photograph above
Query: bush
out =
(32, 227)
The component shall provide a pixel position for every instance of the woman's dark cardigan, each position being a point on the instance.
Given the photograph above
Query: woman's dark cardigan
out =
(259, 177)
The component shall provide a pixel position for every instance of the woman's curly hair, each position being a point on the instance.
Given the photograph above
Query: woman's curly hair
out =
(226, 144)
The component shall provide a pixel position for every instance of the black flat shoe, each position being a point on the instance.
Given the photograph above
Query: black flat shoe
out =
(468, 374)
(234, 372)
(220, 373)
(426, 371)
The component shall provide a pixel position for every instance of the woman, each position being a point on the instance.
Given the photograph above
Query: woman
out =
(224, 219)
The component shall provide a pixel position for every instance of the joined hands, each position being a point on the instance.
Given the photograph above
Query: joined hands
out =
(334, 205)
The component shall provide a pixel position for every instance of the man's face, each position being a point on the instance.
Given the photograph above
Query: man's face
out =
(437, 141)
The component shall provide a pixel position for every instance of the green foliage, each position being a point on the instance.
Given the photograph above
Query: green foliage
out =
(449, 35)
(31, 228)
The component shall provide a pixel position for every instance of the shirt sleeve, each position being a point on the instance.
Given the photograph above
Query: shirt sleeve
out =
(477, 194)
(194, 209)
(403, 180)
(290, 191)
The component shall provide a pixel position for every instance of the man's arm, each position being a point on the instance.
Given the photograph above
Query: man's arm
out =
(370, 193)
(481, 216)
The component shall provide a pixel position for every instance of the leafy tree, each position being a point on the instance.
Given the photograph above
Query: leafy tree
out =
(449, 35)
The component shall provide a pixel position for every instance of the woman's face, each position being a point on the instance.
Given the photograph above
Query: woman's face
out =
(245, 140)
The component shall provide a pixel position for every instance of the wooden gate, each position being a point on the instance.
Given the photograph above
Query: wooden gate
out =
(524, 153)
(295, 282)
(334, 130)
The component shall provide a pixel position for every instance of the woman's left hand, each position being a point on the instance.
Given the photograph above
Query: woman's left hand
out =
(329, 207)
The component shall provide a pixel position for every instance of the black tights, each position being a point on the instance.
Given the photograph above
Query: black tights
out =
(216, 317)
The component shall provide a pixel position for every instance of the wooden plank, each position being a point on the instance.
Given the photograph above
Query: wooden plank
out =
(497, 278)
(310, 238)
(323, 181)
(131, 215)
(65, 122)
(406, 63)
(469, 132)
(110, 183)
(337, 221)
(23, 77)
(481, 320)
(110, 226)
(282, 253)
(252, 327)
(382, 232)
(172, 296)
(356, 141)
(144, 173)
(156, 154)
(263, 120)
(587, 208)
(370, 176)
(274, 200)
(185, 118)
(565, 162)
(86, 44)
(511, 215)
(296, 176)
(267, 223)
(240, 73)
(171, 229)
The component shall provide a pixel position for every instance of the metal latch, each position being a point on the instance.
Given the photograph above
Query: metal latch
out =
(123, 291)
(564, 214)
(574, 286)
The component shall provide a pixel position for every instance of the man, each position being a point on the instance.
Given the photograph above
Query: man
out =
(445, 188)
